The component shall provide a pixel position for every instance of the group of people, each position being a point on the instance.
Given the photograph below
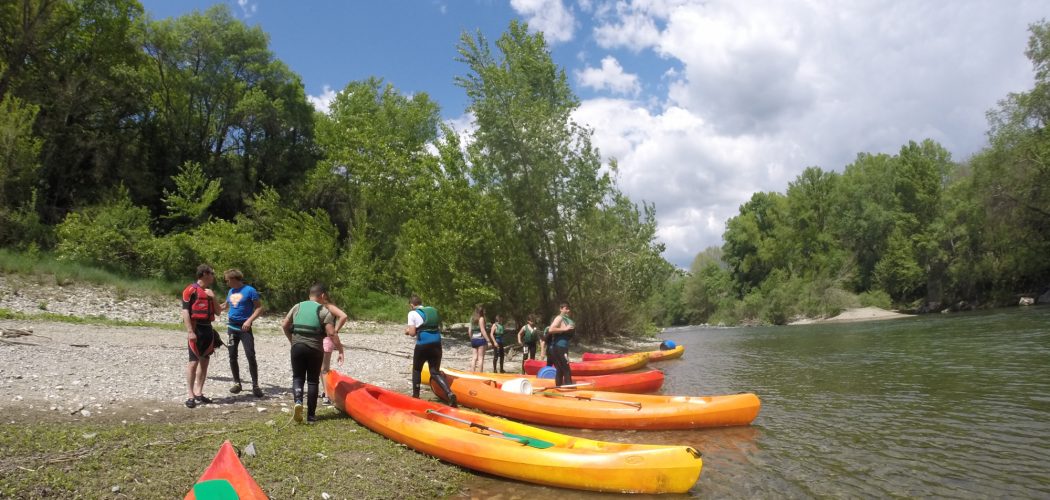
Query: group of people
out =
(312, 328)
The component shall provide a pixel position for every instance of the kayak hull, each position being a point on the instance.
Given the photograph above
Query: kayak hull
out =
(600, 367)
(661, 355)
(227, 466)
(584, 409)
(570, 462)
(640, 382)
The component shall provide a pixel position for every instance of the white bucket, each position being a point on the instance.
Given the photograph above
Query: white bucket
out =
(517, 386)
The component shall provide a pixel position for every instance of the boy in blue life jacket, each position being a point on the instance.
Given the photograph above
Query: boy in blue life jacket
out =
(424, 324)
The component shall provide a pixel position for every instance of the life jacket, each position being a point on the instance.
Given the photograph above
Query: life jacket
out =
(530, 335)
(430, 331)
(201, 307)
(475, 328)
(562, 339)
(499, 331)
(307, 320)
(431, 319)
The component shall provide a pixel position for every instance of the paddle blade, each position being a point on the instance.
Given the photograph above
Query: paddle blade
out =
(527, 441)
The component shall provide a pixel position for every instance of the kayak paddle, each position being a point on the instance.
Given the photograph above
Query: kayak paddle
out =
(588, 398)
(525, 440)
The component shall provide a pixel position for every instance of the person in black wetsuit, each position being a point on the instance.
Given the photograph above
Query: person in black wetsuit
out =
(528, 337)
(498, 352)
(424, 325)
(561, 330)
(306, 326)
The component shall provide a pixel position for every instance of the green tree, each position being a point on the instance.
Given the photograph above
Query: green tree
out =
(527, 150)
(81, 62)
(219, 97)
(375, 161)
(193, 194)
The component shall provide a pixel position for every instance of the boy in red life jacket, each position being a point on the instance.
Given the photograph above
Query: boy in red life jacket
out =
(199, 306)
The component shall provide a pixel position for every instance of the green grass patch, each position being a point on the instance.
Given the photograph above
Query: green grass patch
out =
(336, 456)
(85, 320)
(66, 272)
(376, 306)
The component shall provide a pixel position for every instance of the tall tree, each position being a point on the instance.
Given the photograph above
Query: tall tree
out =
(375, 162)
(80, 61)
(527, 150)
(219, 97)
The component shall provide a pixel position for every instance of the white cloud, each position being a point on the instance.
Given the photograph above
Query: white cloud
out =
(324, 101)
(551, 17)
(611, 77)
(247, 7)
(757, 91)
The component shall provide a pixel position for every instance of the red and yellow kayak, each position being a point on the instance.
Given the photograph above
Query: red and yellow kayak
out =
(653, 355)
(635, 382)
(513, 450)
(226, 478)
(604, 410)
(600, 367)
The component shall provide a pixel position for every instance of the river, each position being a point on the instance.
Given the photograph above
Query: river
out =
(932, 406)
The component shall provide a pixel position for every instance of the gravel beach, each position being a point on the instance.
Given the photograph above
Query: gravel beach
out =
(91, 371)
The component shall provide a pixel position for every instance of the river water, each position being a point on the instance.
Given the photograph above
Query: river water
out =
(932, 406)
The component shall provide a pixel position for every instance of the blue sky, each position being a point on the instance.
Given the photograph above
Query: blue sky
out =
(701, 103)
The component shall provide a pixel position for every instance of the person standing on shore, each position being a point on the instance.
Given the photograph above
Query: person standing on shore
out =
(306, 326)
(424, 324)
(329, 346)
(479, 338)
(198, 311)
(561, 330)
(496, 335)
(527, 337)
(244, 307)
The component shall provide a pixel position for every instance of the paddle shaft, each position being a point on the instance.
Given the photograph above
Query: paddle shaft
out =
(535, 443)
(588, 398)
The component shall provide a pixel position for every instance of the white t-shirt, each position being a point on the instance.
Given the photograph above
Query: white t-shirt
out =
(415, 318)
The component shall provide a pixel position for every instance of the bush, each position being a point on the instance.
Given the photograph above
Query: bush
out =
(108, 235)
(875, 298)
(22, 229)
(170, 257)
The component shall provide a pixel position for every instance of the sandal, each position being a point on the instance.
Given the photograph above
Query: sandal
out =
(190, 403)
(202, 399)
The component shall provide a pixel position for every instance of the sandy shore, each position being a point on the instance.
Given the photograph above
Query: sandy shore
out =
(858, 314)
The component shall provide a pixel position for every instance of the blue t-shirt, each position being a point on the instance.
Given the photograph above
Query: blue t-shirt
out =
(242, 303)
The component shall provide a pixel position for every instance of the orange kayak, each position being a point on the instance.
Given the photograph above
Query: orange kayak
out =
(604, 410)
(600, 367)
(653, 355)
(513, 450)
(636, 382)
(226, 478)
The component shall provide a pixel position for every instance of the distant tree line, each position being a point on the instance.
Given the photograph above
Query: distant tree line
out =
(148, 146)
(914, 230)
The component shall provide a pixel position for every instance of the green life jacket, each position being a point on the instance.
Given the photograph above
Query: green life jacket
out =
(530, 335)
(499, 331)
(307, 320)
(475, 328)
(431, 319)
(562, 339)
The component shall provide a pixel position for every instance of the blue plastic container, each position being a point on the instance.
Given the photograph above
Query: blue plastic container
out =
(547, 372)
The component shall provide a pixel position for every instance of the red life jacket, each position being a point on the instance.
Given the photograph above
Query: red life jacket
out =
(201, 305)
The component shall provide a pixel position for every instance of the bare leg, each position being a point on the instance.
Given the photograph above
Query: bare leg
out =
(202, 375)
(191, 376)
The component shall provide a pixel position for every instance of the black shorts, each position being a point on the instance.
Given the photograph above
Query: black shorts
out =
(207, 341)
